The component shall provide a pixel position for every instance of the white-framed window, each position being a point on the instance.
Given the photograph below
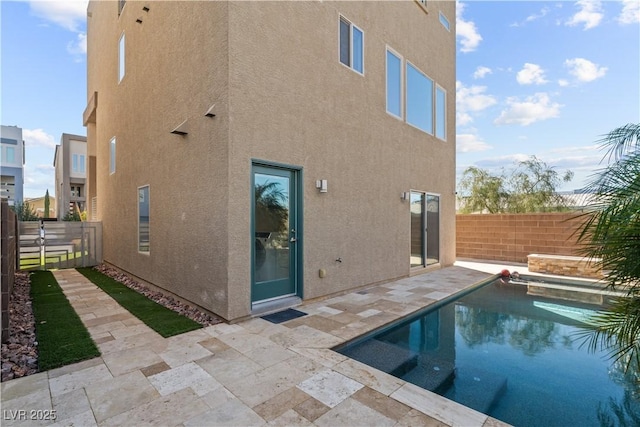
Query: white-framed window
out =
(143, 219)
(414, 97)
(76, 191)
(351, 48)
(441, 113)
(419, 99)
(11, 155)
(112, 155)
(78, 163)
(121, 56)
(394, 84)
(444, 21)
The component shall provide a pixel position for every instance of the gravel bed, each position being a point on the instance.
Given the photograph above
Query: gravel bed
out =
(20, 352)
(168, 301)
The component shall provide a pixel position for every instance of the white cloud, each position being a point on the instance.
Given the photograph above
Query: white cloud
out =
(499, 162)
(471, 100)
(584, 70)
(531, 74)
(481, 72)
(467, 142)
(590, 14)
(563, 82)
(533, 109)
(69, 14)
(630, 13)
(38, 138)
(534, 17)
(466, 31)
(37, 179)
(79, 47)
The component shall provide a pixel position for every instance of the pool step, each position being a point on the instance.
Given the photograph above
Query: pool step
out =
(431, 373)
(476, 388)
(383, 356)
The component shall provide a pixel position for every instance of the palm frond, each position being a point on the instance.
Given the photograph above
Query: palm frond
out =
(621, 141)
(617, 331)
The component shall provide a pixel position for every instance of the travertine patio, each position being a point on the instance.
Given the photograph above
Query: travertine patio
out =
(251, 373)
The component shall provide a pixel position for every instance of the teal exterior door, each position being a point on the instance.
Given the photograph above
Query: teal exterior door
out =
(276, 233)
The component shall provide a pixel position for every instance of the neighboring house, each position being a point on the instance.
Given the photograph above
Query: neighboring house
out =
(579, 200)
(12, 164)
(37, 204)
(252, 154)
(70, 162)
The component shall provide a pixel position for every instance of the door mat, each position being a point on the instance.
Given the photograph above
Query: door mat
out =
(283, 316)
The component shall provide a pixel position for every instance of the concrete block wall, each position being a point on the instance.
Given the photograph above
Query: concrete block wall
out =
(512, 237)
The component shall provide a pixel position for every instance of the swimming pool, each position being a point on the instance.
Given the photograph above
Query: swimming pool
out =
(511, 351)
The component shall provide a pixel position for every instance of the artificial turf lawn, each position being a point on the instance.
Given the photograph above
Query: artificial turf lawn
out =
(62, 337)
(162, 320)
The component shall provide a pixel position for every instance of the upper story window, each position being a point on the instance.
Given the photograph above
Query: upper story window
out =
(76, 191)
(394, 84)
(112, 155)
(121, 52)
(351, 46)
(77, 163)
(441, 113)
(444, 21)
(11, 155)
(419, 99)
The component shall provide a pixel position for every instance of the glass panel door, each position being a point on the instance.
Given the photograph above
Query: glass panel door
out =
(275, 235)
(425, 229)
(417, 229)
(433, 229)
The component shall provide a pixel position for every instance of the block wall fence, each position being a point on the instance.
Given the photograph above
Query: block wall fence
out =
(511, 237)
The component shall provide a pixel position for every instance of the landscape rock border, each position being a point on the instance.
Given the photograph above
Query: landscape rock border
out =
(20, 352)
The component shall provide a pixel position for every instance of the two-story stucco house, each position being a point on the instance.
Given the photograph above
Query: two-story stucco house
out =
(12, 158)
(252, 154)
(70, 162)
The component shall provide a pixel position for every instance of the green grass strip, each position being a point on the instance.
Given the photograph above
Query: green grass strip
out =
(62, 337)
(162, 320)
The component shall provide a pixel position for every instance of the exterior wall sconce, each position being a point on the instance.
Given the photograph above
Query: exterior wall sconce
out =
(405, 195)
(210, 111)
(181, 129)
(321, 185)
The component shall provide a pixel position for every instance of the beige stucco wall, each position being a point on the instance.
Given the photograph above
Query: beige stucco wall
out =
(282, 96)
(293, 102)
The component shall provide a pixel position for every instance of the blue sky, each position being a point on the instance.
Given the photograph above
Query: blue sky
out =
(533, 78)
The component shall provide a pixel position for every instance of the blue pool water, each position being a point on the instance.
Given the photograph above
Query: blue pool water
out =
(513, 352)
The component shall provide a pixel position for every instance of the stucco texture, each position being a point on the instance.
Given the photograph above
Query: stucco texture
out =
(282, 96)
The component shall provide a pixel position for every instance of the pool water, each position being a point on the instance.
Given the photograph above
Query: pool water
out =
(511, 351)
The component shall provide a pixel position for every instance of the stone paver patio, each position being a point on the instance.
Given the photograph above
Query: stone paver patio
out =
(252, 373)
